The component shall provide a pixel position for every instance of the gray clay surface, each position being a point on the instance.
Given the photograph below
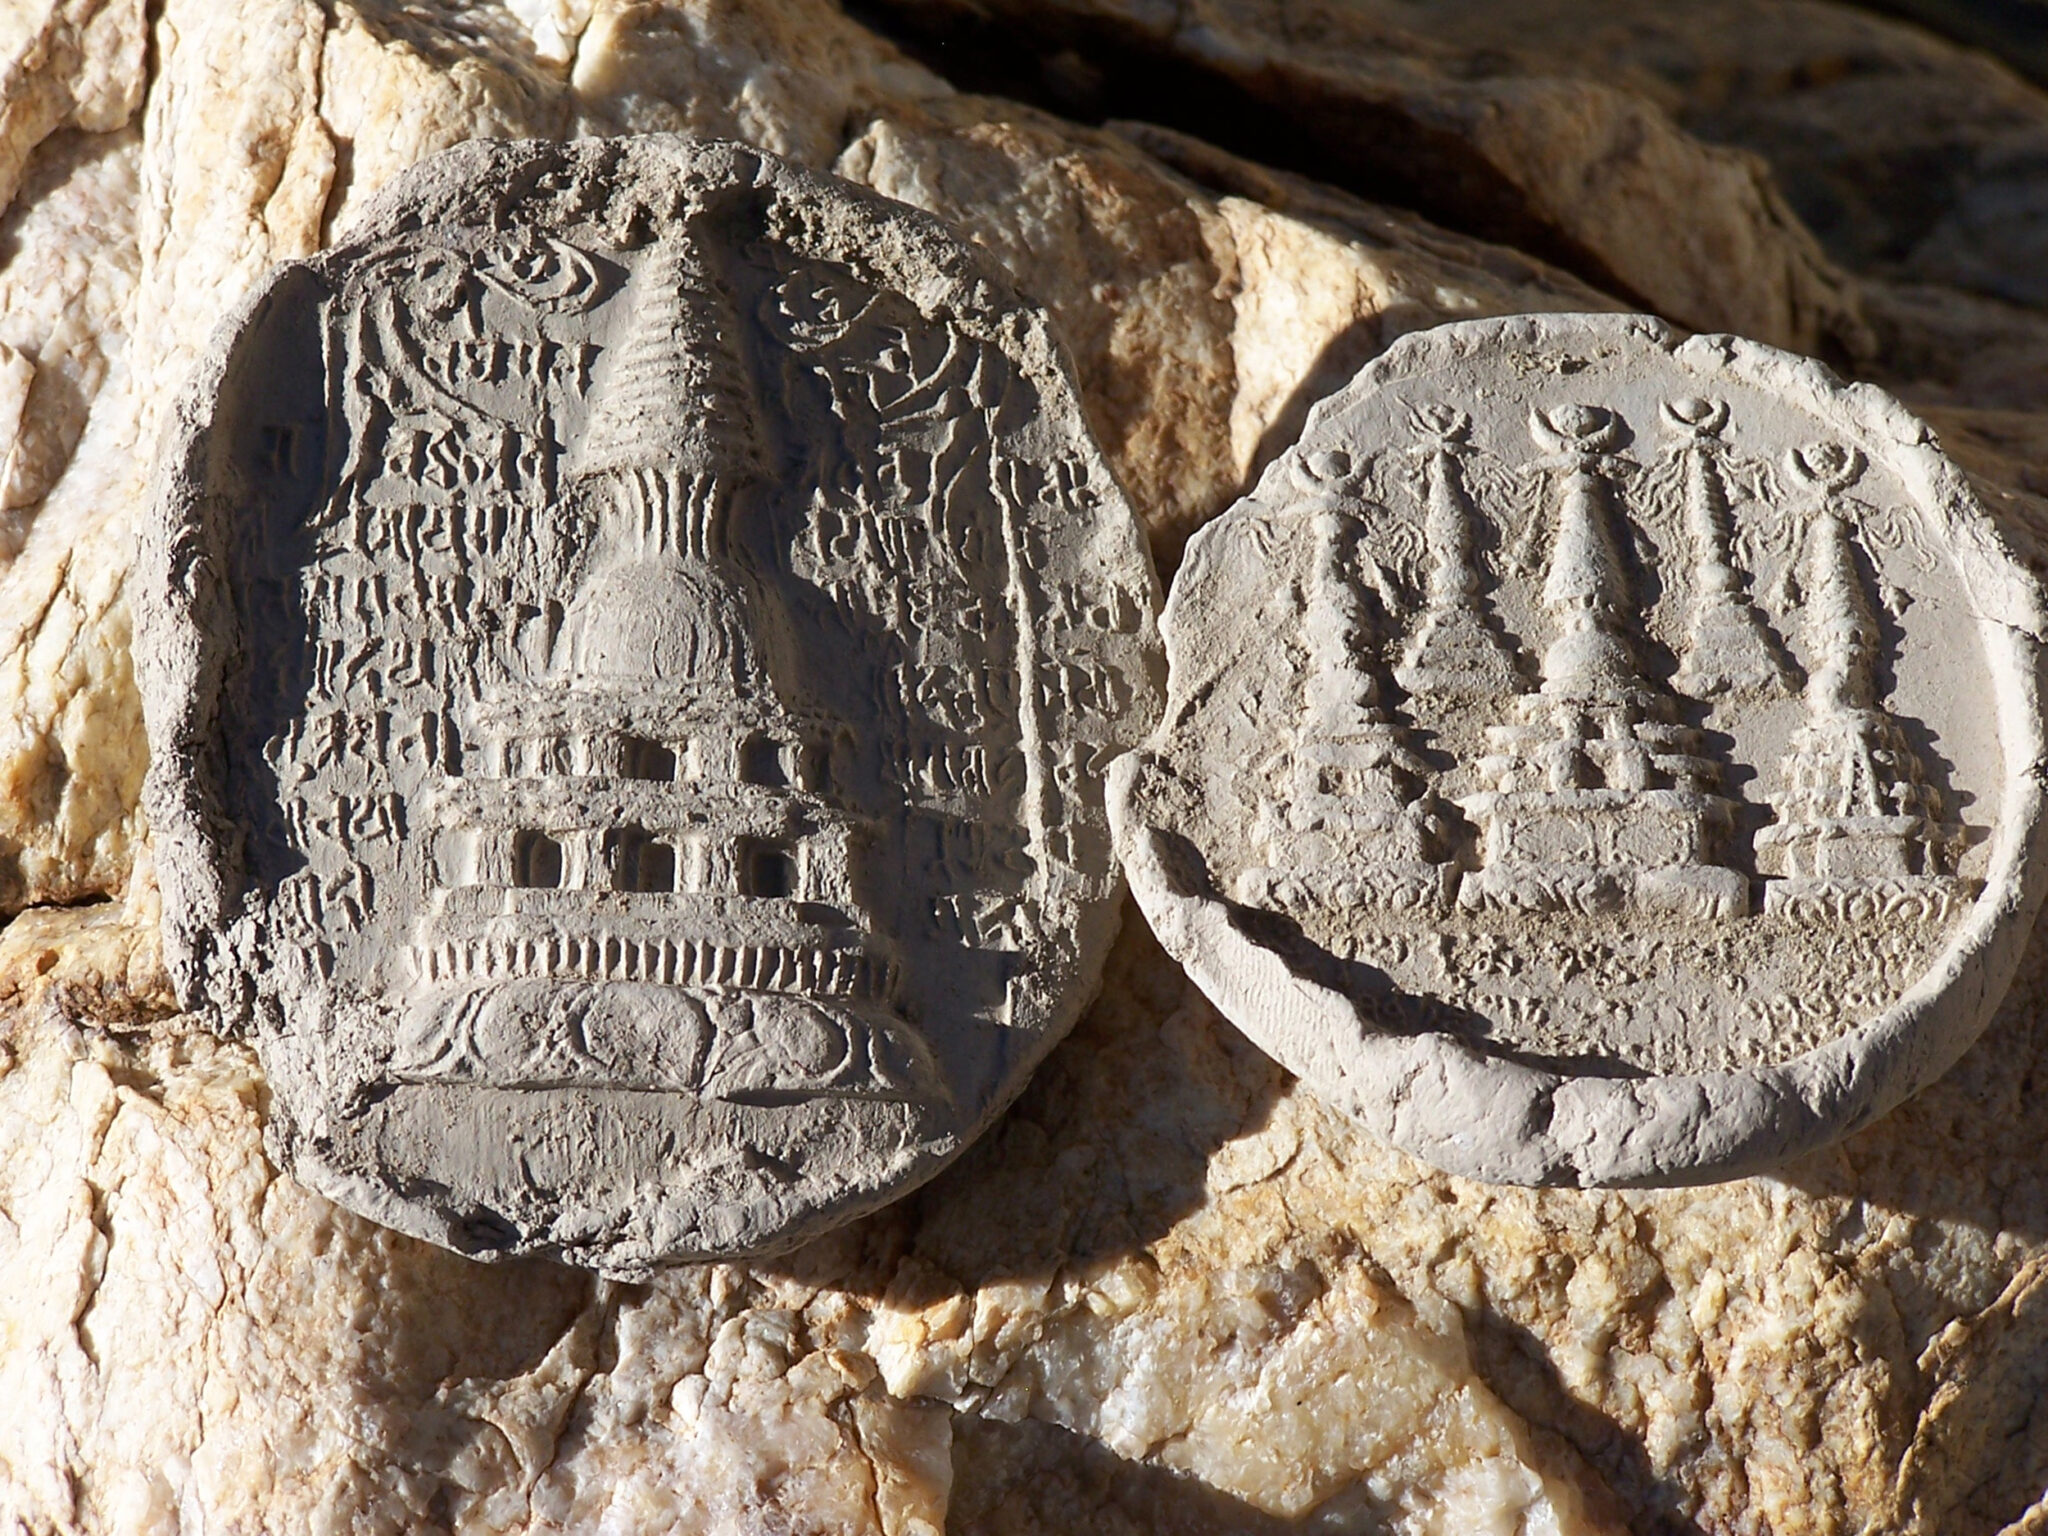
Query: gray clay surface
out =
(632, 642)
(1592, 758)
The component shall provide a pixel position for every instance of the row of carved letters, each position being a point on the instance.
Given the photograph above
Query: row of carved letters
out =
(366, 743)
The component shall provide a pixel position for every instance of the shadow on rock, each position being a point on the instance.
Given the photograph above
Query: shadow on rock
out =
(1520, 1369)
(1036, 1479)
(1110, 1145)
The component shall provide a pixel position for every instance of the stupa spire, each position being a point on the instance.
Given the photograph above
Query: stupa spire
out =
(1730, 651)
(1456, 652)
(1585, 588)
(670, 413)
(1858, 822)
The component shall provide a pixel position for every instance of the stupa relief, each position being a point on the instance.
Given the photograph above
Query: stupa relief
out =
(649, 816)
(1625, 774)
(1595, 798)
(1859, 830)
(1347, 822)
(634, 634)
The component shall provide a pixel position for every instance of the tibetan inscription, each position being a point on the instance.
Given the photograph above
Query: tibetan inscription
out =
(621, 631)
(1594, 759)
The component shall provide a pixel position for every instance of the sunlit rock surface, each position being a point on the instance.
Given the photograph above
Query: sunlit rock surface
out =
(1170, 1293)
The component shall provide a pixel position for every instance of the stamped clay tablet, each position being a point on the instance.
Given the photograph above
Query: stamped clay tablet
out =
(1592, 759)
(633, 639)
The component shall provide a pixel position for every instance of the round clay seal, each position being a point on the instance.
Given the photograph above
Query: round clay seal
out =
(631, 641)
(1595, 758)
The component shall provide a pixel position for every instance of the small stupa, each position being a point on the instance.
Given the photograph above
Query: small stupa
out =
(1348, 821)
(653, 881)
(1598, 799)
(1859, 829)
(1457, 653)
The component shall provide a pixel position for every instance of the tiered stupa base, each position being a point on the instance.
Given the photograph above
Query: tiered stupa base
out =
(1859, 868)
(1351, 837)
(1910, 898)
(740, 1046)
(1389, 886)
(1603, 850)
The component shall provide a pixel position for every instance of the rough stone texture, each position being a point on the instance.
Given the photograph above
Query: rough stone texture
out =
(1145, 1258)
(1907, 157)
(65, 64)
(1394, 98)
(1538, 780)
(1913, 161)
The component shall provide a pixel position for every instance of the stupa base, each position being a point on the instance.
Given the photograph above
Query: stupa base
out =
(1387, 886)
(1914, 898)
(1700, 891)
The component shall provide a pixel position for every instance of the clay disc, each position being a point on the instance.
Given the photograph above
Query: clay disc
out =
(632, 639)
(1592, 758)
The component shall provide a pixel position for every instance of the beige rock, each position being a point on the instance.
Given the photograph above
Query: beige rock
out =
(63, 303)
(68, 753)
(71, 749)
(1550, 158)
(65, 64)
(223, 194)
(1905, 155)
(1914, 162)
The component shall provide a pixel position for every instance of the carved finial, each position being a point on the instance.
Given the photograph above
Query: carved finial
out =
(1699, 417)
(1327, 478)
(1578, 430)
(1827, 467)
(1444, 424)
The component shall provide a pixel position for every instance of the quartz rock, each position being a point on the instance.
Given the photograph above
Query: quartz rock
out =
(65, 64)
(69, 726)
(1820, 1348)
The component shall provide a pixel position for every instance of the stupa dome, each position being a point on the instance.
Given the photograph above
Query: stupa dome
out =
(661, 621)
